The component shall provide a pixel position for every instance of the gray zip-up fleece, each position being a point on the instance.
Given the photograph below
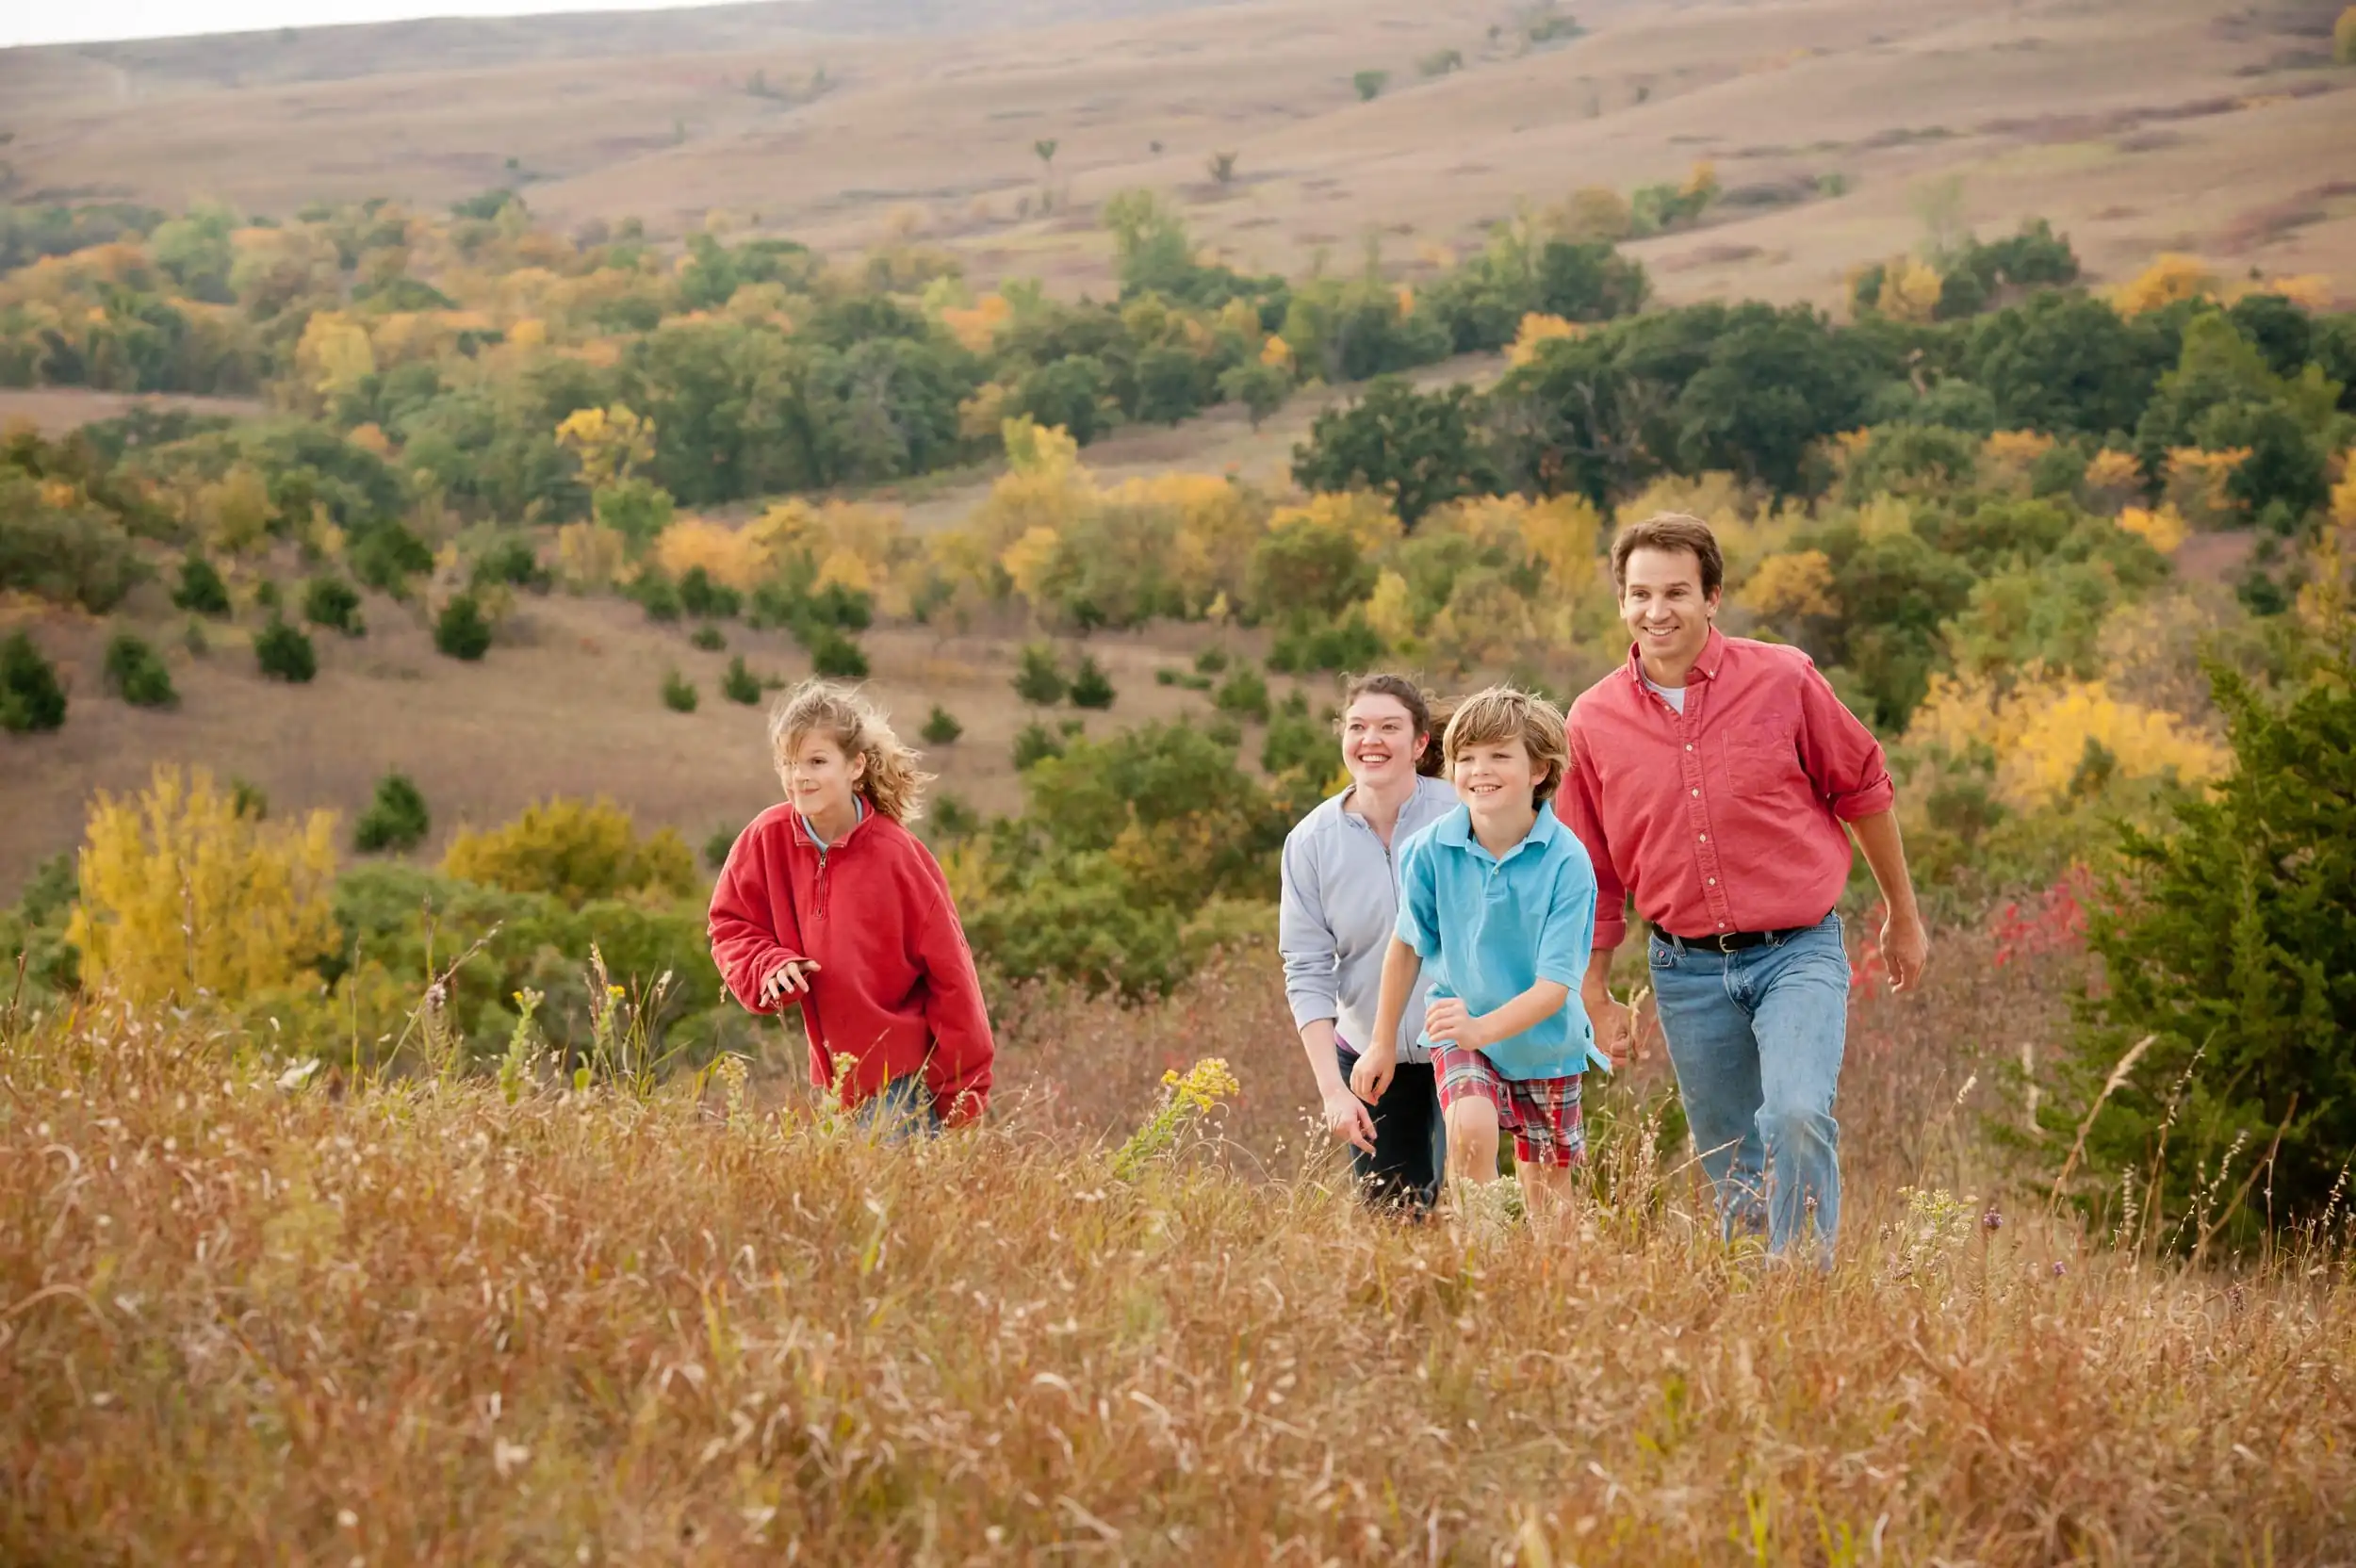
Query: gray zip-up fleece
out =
(1340, 904)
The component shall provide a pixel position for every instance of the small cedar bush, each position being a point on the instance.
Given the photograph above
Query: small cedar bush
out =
(330, 601)
(700, 596)
(461, 630)
(836, 656)
(658, 595)
(1036, 742)
(1039, 679)
(941, 728)
(1090, 686)
(739, 684)
(678, 693)
(31, 696)
(709, 638)
(285, 653)
(1244, 694)
(716, 847)
(136, 673)
(396, 820)
(201, 590)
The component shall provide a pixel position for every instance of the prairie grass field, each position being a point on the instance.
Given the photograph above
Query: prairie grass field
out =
(254, 1316)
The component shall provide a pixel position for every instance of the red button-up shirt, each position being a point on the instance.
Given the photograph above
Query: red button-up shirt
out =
(1725, 817)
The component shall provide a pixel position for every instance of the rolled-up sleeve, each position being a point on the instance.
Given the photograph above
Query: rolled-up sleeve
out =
(1843, 757)
(1306, 938)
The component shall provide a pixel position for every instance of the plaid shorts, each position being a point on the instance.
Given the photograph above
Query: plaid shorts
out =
(1543, 1113)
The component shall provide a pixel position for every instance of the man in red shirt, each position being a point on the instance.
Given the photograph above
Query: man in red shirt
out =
(1710, 778)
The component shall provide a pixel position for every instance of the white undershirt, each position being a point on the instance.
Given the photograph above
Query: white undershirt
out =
(1673, 696)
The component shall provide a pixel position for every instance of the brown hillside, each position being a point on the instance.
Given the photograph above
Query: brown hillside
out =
(2135, 124)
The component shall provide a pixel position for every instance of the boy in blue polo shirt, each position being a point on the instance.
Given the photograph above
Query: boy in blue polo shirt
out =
(1500, 898)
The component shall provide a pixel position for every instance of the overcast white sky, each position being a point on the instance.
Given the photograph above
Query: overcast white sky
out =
(32, 22)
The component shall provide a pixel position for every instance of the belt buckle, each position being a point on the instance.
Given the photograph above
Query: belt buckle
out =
(1720, 941)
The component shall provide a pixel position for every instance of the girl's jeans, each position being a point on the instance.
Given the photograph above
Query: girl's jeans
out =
(902, 1109)
(1756, 1037)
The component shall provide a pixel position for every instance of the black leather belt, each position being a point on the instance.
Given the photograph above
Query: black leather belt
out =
(1734, 941)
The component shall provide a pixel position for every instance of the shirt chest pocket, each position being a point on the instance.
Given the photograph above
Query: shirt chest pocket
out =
(1759, 760)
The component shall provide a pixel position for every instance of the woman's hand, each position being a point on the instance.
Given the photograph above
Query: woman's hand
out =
(1345, 1118)
(1373, 1073)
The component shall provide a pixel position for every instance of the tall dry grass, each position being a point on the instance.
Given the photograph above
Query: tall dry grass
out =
(243, 1322)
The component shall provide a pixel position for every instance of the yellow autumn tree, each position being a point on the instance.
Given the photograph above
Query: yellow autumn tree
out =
(2113, 481)
(2008, 458)
(2163, 528)
(1366, 517)
(2172, 276)
(573, 850)
(335, 353)
(611, 443)
(234, 512)
(183, 896)
(2344, 38)
(2043, 727)
(1910, 289)
(1537, 330)
(727, 555)
(1792, 592)
(2197, 484)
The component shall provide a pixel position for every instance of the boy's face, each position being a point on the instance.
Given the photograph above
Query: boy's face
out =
(1495, 778)
(820, 780)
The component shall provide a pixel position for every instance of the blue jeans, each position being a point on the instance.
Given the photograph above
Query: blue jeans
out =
(1756, 1037)
(902, 1109)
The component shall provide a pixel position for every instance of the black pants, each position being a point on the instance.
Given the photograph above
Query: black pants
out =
(1410, 1139)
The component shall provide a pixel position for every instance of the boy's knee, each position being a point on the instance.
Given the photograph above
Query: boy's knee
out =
(1472, 1118)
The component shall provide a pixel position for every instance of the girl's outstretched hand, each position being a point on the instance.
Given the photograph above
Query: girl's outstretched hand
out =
(788, 979)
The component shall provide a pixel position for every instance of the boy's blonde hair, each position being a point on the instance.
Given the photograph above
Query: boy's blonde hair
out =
(1504, 714)
(893, 783)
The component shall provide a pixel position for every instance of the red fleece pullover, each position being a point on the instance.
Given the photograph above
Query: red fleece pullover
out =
(895, 993)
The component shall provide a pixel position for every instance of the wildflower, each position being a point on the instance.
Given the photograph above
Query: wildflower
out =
(1992, 1220)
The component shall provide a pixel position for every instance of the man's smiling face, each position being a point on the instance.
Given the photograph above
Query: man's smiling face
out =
(1666, 611)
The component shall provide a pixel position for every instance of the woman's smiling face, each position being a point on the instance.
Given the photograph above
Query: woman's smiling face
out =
(1378, 740)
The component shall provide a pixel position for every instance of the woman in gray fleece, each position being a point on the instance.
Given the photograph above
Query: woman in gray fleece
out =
(1340, 900)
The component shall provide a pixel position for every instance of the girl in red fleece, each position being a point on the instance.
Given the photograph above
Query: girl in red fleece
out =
(829, 901)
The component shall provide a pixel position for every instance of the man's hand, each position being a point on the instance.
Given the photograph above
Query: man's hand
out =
(1373, 1073)
(1613, 1037)
(1449, 1020)
(1907, 949)
(1345, 1118)
(790, 978)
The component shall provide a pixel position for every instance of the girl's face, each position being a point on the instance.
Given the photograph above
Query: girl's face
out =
(1378, 740)
(820, 780)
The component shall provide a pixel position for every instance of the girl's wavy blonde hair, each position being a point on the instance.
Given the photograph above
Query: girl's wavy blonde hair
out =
(893, 784)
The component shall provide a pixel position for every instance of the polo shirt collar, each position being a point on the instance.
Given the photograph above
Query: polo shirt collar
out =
(1712, 659)
(1455, 830)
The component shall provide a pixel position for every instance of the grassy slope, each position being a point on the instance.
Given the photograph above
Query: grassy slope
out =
(2135, 126)
(422, 1324)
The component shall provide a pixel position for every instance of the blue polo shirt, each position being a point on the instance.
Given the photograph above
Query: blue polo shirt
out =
(1488, 929)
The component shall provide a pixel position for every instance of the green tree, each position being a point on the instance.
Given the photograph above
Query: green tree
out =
(1261, 388)
(285, 653)
(396, 821)
(941, 728)
(330, 601)
(1306, 567)
(1038, 679)
(1421, 449)
(31, 697)
(1370, 83)
(461, 630)
(678, 693)
(136, 673)
(1090, 686)
(2230, 942)
(201, 591)
(739, 684)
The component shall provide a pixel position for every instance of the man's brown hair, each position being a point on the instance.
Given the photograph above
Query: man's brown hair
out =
(1503, 714)
(1670, 531)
